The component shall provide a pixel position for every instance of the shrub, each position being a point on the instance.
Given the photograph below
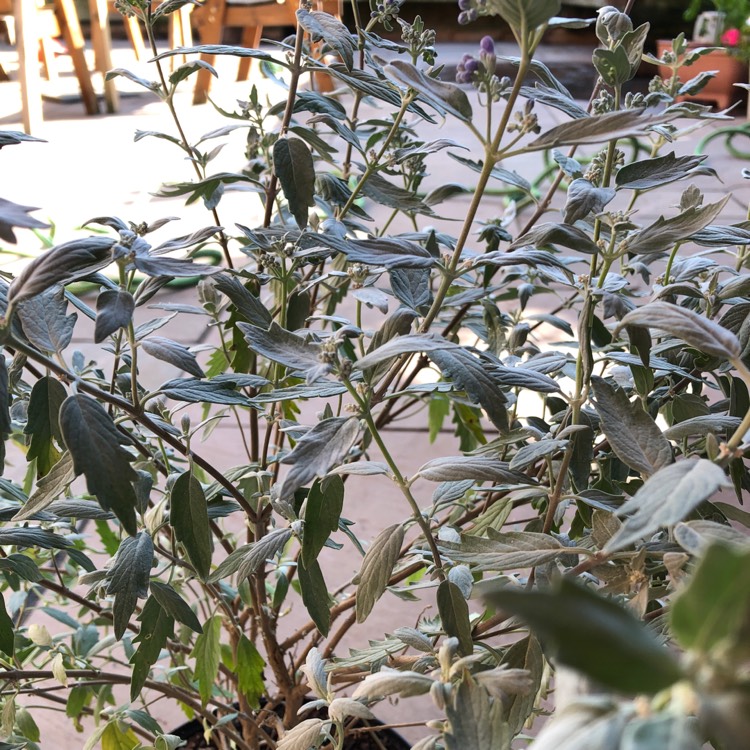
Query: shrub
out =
(612, 443)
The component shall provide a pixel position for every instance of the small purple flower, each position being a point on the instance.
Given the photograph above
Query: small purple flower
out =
(464, 4)
(466, 69)
(487, 54)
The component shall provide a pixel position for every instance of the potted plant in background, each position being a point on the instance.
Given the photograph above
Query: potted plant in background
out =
(720, 47)
(169, 576)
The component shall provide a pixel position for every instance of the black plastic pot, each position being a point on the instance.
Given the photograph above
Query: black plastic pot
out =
(192, 732)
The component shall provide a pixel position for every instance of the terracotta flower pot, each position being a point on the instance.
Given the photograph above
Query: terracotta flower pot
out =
(721, 89)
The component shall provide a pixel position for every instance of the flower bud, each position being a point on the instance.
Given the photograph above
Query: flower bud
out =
(612, 25)
(487, 54)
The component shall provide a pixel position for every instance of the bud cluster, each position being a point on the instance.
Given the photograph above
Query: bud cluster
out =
(471, 10)
(479, 71)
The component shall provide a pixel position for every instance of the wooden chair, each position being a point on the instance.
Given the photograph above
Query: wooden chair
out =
(180, 32)
(34, 26)
(251, 16)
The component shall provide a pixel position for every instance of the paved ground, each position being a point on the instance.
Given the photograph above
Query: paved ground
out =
(91, 166)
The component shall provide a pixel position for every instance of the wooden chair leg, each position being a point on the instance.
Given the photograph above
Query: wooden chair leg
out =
(27, 41)
(209, 33)
(251, 36)
(48, 58)
(71, 29)
(180, 33)
(102, 42)
(135, 36)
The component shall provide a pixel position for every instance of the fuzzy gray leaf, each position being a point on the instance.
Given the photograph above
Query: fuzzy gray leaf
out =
(386, 193)
(173, 353)
(247, 304)
(665, 499)
(282, 346)
(454, 615)
(44, 321)
(377, 567)
(478, 468)
(585, 198)
(188, 516)
(505, 551)
(693, 328)
(530, 454)
(245, 560)
(663, 234)
(328, 28)
(128, 577)
(557, 234)
(172, 267)
(14, 215)
(633, 434)
(480, 381)
(48, 488)
(601, 128)
(476, 720)
(409, 344)
(326, 445)
(702, 426)
(95, 444)
(663, 170)
(61, 265)
(411, 286)
(114, 310)
(214, 391)
(293, 165)
(444, 97)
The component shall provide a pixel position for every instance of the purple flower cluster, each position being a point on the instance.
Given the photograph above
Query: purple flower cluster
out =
(466, 69)
(470, 10)
(470, 65)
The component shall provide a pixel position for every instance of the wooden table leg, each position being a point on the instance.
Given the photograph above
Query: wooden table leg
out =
(71, 29)
(27, 43)
(102, 41)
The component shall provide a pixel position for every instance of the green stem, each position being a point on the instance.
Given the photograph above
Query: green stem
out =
(372, 165)
(185, 144)
(399, 477)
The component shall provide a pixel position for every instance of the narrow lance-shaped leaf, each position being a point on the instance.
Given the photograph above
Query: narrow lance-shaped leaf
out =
(156, 627)
(96, 447)
(293, 165)
(377, 567)
(43, 423)
(173, 353)
(324, 26)
(595, 636)
(188, 516)
(7, 635)
(128, 578)
(48, 488)
(206, 652)
(476, 721)
(715, 605)
(61, 265)
(693, 328)
(443, 96)
(315, 595)
(454, 614)
(322, 512)
(174, 605)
